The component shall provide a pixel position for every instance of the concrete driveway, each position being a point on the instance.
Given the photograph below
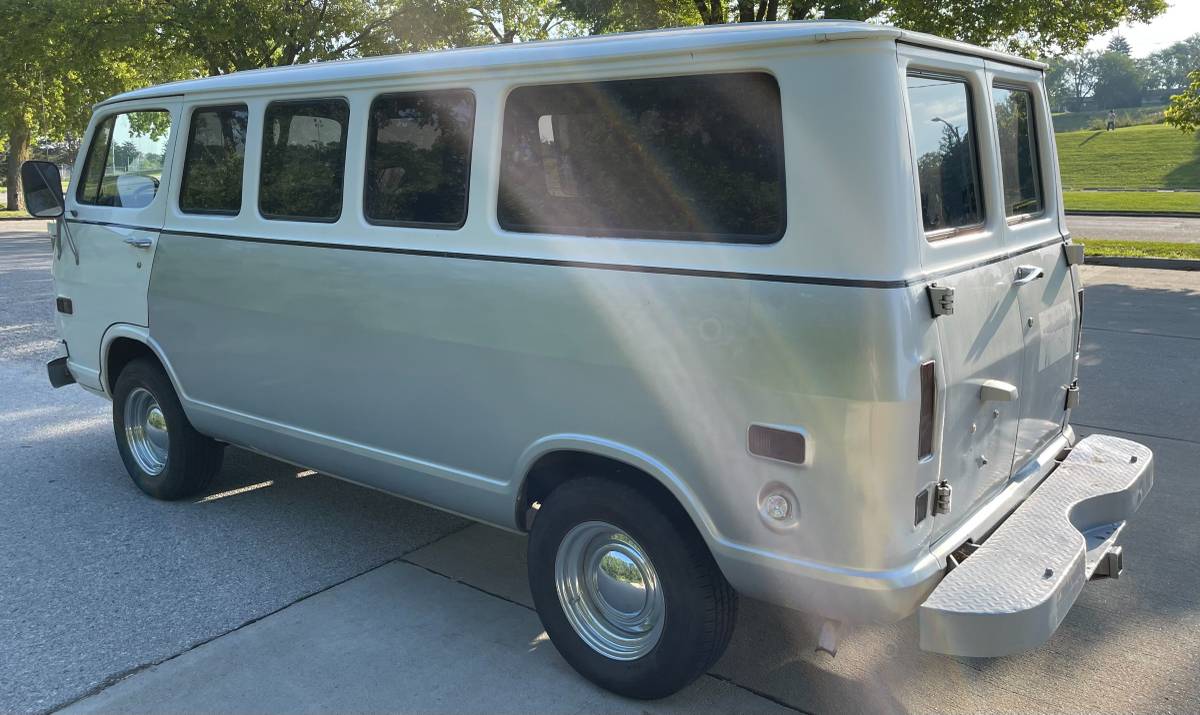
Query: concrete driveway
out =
(288, 591)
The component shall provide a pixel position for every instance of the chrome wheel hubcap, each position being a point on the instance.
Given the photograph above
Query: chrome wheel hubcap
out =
(609, 590)
(146, 431)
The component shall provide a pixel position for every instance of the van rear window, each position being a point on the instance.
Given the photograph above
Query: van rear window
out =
(419, 158)
(303, 160)
(212, 169)
(692, 158)
(943, 129)
(1018, 151)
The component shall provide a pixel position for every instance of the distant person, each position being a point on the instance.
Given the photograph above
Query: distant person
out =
(1112, 120)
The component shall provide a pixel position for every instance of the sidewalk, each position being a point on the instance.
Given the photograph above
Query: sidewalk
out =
(398, 639)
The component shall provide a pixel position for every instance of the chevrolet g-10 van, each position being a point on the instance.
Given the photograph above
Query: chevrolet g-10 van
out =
(782, 309)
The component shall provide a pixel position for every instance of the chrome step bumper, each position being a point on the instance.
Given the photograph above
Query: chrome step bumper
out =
(1012, 593)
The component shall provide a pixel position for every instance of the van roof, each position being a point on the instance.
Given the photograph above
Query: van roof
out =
(550, 52)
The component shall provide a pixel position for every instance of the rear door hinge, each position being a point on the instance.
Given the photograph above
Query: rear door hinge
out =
(942, 492)
(1072, 395)
(941, 299)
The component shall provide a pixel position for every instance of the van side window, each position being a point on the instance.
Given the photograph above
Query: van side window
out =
(1018, 151)
(692, 158)
(943, 130)
(303, 159)
(212, 169)
(419, 158)
(124, 162)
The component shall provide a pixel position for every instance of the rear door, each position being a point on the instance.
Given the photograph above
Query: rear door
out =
(1042, 280)
(963, 249)
(115, 208)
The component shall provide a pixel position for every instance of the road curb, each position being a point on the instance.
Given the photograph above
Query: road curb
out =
(1170, 264)
(1135, 214)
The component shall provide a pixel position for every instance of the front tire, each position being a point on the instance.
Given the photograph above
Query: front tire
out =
(626, 589)
(164, 455)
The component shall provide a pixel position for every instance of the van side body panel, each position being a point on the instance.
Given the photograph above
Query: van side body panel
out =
(429, 377)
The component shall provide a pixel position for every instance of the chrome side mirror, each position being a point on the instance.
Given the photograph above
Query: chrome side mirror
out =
(43, 189)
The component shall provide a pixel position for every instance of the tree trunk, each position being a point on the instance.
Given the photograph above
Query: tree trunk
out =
(768, 10)
(712, 12)
(801, 9)
(18, 153)
(745, 10)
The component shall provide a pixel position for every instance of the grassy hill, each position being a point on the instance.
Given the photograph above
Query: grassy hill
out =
(1152, 156)
(1076, 121)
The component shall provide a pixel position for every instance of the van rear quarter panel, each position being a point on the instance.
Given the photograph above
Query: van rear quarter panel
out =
(430, 376)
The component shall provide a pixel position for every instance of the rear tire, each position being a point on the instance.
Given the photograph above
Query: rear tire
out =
(626, 589)
(164, 455)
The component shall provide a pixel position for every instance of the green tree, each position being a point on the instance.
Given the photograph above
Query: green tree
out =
(602, 16)
(1118, 81)
(1071, 78)
(1018, 25)
(230, 35)
(51, 72)
(1120, 44)
(508, 21)
(1168, 68)
(1184, 111)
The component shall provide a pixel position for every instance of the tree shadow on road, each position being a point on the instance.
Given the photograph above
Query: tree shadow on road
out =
(1187, 174)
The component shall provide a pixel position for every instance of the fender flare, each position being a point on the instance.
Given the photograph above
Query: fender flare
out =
(141, 334)
(619, 452)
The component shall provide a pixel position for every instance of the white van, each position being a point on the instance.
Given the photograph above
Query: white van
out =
(784, 309)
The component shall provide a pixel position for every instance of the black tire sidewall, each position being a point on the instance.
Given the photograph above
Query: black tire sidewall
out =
(681, 653)
(175, 481)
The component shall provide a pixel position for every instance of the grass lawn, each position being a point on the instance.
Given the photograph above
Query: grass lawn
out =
(4, 212)
(1151, 156)
(1131, 201)
(1140, 249)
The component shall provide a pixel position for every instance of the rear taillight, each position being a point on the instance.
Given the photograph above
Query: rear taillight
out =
(928, 397)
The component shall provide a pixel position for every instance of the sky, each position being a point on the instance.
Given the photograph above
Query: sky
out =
(1182, 20)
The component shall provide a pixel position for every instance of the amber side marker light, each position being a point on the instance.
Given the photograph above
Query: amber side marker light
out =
(773, 443)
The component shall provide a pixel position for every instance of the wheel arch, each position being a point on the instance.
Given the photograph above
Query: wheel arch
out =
(555, 460)
(122, 343)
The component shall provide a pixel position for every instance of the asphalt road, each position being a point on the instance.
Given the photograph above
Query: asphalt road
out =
(308, 594)
(1135, 228)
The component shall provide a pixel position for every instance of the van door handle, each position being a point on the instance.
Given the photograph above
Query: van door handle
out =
(997, 391)
(139, 242)
(1028, 274)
